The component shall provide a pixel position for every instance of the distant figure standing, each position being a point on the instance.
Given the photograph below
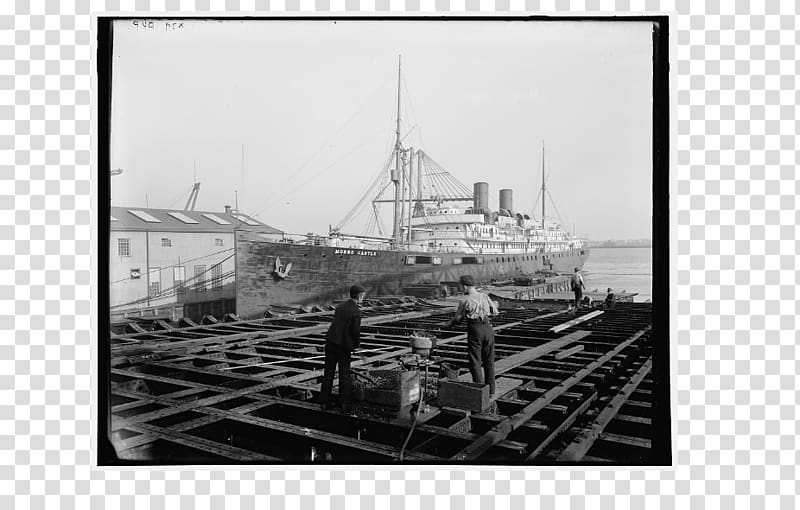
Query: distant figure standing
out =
(342, 338)
(577, 286)
(476, 309)
(610, 299)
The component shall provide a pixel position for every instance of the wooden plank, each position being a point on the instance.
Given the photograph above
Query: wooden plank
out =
(304, 432)
(223, 341)
(312, 434)
(638, 403)
(576, 321)
(581, 445)
(596, 460)
(514, 447)
(201, 444)
(529, 394)
(629, 418)
(562, 427)
(143, 439)
(271, 322)
(503, 429)
(317, 358)
(252, 391)
(566, 353)
(638, 442)
(496, 418)
(515, 360)
(460, 338)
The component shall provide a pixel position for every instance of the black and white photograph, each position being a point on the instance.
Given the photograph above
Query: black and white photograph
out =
(383, 241)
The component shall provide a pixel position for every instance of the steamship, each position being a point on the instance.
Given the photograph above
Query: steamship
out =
(441, 230)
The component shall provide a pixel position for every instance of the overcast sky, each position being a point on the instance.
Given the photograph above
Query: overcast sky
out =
(313, 104)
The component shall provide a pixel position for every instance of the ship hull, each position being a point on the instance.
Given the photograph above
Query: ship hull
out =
(322, 274)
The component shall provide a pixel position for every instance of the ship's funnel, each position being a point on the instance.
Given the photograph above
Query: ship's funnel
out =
(506, 201)
(480, 200)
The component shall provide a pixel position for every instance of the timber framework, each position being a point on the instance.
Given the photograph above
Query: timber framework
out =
(572, 388)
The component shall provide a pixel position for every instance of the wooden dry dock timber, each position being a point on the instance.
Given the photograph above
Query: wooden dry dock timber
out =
(245, 391)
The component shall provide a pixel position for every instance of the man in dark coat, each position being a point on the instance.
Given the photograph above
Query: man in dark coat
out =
(477, 309)
(341, 339)
(610, 299)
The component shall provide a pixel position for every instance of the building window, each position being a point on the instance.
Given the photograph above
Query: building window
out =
(179, 277)
(166, 242)
(218, 242)
(200, 278)
(155, 281)
(216, 277)
(124, 247)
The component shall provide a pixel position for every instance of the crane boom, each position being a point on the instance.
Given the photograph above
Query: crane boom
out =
(192, 197)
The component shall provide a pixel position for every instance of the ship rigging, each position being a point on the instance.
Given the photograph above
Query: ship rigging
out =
(441, 230)
(422, 192)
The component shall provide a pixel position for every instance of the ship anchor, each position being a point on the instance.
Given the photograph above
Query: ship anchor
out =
(281, 271)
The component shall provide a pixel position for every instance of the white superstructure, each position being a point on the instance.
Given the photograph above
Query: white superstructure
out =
(449, 229)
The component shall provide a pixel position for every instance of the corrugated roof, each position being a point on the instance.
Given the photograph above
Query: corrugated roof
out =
(176, 220)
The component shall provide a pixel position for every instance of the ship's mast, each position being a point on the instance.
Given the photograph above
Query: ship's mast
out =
(410, 180)
(544, 198)
(398, 149)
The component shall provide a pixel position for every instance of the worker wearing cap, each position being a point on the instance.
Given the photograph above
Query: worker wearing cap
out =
(576, 282)
(476, 309)
(341, 339)
(610, 299)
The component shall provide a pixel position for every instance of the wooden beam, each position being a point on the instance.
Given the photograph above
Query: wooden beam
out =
(566, 353)
(460, 338)
(503, 429)
(562, 427)
(637, 442)
(575, 321)
(226, 394)
(313, 434)
(201, 444)
(596, 460)
(240, 414)
(512, 446)
(581, 445)
(224, 341)
(515, 360)
(629, 418)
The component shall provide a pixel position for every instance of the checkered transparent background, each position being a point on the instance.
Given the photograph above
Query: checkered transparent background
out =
(736, 300)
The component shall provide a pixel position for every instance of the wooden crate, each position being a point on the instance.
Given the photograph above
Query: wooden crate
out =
(463, 395)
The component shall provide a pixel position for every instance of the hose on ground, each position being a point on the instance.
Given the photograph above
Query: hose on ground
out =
(413, 424)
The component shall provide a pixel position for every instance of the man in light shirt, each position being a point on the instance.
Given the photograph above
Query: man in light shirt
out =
(576, 282)
(476, 309)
